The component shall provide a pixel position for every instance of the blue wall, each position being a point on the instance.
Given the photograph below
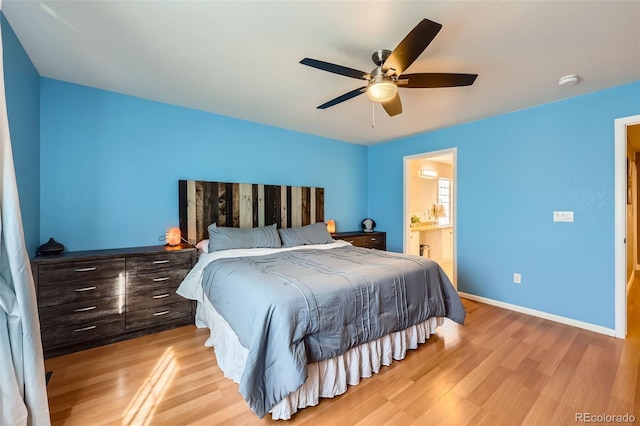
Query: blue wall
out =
(22, 90)
(111, 165)
(514, 170)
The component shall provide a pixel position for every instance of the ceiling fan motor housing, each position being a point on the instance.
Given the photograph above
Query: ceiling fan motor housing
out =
(380, 56)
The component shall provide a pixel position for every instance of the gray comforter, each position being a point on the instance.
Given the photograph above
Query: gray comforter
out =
(297, 307)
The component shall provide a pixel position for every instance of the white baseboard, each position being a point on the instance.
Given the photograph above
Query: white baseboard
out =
(540, 314)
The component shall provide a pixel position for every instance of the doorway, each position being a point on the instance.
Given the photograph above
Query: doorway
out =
(429, 214)
(625, 129)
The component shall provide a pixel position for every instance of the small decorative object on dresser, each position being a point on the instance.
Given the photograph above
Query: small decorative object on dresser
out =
(92, 298)
(368, 224)
(372, 239)
(50, 247)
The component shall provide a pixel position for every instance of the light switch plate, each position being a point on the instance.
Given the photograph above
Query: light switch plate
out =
(563, 216)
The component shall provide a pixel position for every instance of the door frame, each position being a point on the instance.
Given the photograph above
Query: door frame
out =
(620, 220)
(406, 221)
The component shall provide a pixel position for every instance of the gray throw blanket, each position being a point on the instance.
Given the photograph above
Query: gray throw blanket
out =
(298, 307)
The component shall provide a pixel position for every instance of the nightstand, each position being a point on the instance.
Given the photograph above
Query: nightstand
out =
(374, 240)
(92, 298)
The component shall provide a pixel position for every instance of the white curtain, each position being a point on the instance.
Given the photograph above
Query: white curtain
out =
(23, 394)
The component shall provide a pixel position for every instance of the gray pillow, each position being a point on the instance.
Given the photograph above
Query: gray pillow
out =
(316, 233)
(225, 238)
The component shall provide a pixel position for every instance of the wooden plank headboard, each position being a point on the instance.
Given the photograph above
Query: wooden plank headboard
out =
(245, 205)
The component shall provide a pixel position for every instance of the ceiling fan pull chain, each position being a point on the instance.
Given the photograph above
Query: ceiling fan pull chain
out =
(373, 115)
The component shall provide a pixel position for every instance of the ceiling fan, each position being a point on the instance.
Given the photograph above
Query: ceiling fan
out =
(385, 79)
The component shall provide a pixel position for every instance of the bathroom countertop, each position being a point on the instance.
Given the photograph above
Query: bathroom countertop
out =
(424, 227)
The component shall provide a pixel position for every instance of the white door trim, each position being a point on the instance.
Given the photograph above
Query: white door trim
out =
(620, 219)
(406, 234)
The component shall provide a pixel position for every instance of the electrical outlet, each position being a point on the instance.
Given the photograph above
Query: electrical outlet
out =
(517, 278)
(563, 216)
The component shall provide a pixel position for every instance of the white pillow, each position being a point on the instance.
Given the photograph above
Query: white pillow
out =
(203, 246)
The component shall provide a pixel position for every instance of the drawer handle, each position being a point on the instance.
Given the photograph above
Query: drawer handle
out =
(157, 314)
(161, 296)
(89, 269)
(85, 288)
(155, 280)
(78, 330)
(158, 262)
(88, 308)
(373, 239)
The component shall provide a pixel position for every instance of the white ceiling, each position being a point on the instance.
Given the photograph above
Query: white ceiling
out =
(240, 58)
(445, 159)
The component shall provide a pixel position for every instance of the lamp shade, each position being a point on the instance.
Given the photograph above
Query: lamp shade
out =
(441, 211)
(331, 226)
(173, 236)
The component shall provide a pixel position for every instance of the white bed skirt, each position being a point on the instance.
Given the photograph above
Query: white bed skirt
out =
(325, 379)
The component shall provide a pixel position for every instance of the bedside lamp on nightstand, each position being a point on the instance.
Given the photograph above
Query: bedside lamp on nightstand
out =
(173, 236)
(331, 226)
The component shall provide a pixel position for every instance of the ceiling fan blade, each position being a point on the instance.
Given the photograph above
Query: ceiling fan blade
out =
(342, 98)
(393, 106)
(411, 46)
(336, 69)
(429, 80)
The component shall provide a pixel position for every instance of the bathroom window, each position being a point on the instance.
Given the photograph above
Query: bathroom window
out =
(444, 198)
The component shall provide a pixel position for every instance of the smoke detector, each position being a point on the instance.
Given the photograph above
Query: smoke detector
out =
(569, 80)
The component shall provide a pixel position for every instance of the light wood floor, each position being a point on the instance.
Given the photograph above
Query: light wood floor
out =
(501, 368)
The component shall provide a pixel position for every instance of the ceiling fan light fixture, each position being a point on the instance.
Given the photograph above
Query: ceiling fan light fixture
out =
(382, 91)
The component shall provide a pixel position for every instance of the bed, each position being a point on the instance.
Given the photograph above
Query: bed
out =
(294, 315)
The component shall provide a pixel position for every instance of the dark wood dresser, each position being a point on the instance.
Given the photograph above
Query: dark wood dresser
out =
(91, 298)
(375, 239)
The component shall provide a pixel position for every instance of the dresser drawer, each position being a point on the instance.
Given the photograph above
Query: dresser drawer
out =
(62, 293)
(153, 299)
(75, 312)
(372, 241)
(49, 274)
(69, 333)
(367, 241)
(146, 283)
(174, 313)
(158, 262)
